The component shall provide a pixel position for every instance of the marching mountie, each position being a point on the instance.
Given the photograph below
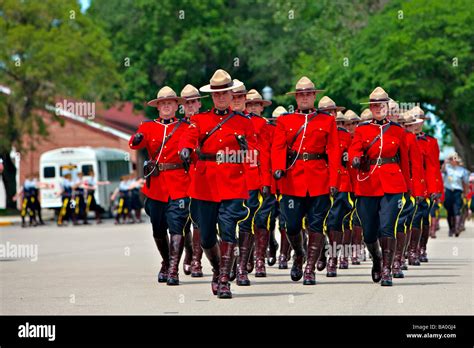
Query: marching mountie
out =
(434, 185)
(379, 151)
(306, 146)
(245, 262)
(341, 202)
(167, 181)
(259, 177)
(90, 185)
(193, 254)
(218, 188)
(456, 183)
(78, 198)
(349, 122)
(411, 215)
(66, 212)
(285, 248)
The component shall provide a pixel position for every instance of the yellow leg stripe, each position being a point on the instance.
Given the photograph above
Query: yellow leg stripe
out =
(399, 213)
(238, 222)
(88, 205)
(76, 210)
(349, 213)
(120, 207)
(325, 227)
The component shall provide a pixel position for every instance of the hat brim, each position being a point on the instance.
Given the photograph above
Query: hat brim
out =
(305, 91)
(194, 98)
(417, 121)
(155, 102)
(261, 101)
(208, 89)
(375, 102)
(337, 108)
(240, 93)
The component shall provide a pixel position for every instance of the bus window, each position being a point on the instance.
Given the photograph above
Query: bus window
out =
(70, 168)
(87, 168)
(115, 169)
(49, 172)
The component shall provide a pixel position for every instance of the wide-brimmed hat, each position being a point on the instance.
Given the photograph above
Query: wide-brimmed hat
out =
(326, 104)
(239, 90)
(304, 84)
(220, 82)
(350, 115)
(189, 92)
(378, 96)
(410, 119)
(278, 111)
(393, 107)
(366, 115)
(340, 117)
(254, 97)
(166, 93)
(419, 113)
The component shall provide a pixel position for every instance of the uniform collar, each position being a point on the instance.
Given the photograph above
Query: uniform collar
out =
(306, 111)
(163, 121)
(221, 112)
(381, 122)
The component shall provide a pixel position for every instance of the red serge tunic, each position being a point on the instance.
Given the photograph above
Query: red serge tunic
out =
(417, 169)
(345, 140)
(213, 181)
(313, 177)
(255, 171)
(430, 149)
(386, 178)
(170, 183)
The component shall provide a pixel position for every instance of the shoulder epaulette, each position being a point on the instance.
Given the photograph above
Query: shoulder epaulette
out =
(364, 123)
(285, 114)
(146, 121)
(395, 124)
(241, 114)
(324, 113)
(342, 129)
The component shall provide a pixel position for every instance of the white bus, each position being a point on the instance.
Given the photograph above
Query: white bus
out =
(107, 163)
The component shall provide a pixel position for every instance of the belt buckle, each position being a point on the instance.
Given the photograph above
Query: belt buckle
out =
(160, 167)
(379, 161)
(305, 156)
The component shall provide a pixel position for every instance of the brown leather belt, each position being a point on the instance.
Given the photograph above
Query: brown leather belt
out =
(162, 167)
(385, 160)
(305, 156)
(214, 157)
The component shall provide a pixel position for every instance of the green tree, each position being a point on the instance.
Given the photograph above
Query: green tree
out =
(421, 51)
(48, 49)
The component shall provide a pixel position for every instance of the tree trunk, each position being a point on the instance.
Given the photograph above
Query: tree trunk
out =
(462, 143)
(8, 175)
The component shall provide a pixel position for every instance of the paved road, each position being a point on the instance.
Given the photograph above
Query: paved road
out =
(112, 270)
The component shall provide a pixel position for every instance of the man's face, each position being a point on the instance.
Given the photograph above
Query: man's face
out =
(393, 117)
(411, 128)
(305, 100)
(238, 102)
(256, 108)
(350, 126)
(167, 108)
(379, 110)
(222, 100)
(191, 107)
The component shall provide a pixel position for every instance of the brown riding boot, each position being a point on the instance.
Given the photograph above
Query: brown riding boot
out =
(163, 247)
(244, 251)
(404, 266)
(335, 239)
(188, 253)
(261, 243)
(356, 244)
(322, 261)
(413, 246)
(425, 234)
(196, 268)
(346, 245)
(376, 254)
(434, 221)
(227, 261)
(397, 260)
(296, 243)
(213, 255)
(284, 250)
(315, 249)
(176, 249)
(388, 250)
(272, 249)
(251, 261)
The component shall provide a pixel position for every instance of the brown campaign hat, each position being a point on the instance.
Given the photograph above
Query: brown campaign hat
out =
(239, 90)
(409, 118)
(377, 96)
(189, 92)
(220, 82)
(166, 93)
(254, 97)
(304, 84)
(419, 113)
(326, 104)
(351, 116)
(366, 115)
(278, 111)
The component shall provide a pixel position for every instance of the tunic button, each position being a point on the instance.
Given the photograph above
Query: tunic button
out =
(208, 133)
(320, 129)
(380, 147)
(164, 157)
(399, 170)
(165, 146)
(291, 129)
(221, 118)
(240, 172)
(304, 148)
(367, 141)
(393, 142)
(220, 140)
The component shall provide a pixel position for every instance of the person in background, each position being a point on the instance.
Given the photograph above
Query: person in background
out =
(78, 197)
(90, 185)
(27, 192)
(456, 184)
(123, 193)
(135, 202)
(65, 213)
